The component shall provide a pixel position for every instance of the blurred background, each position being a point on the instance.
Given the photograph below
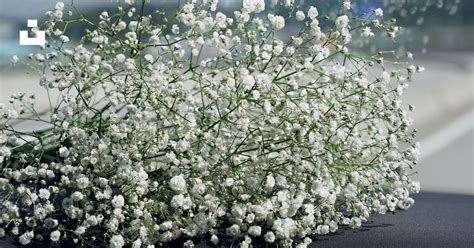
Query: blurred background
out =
(443, 43)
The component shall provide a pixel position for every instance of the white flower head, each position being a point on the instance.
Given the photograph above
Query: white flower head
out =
(117, 241)
(378, 12)
(54, 236)
(44, 194)
(26, 238)
(278, 22)
(256, 6)
(178, 183)
(269, 237)
(367, 32)
(255, 231)
(214, 239)
(313, 12)
(300, 16)
(118, 201)
(342, 21)
(346, 5)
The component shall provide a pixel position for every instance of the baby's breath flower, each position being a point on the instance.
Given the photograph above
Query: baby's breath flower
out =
(256, 6)
(26, 238)
(367, 32)
(300, 16)
(255, 231)
(44, 194)
(209, 124)
(378, 12)
(117, 241)
(118, 201)
(313, 12)
(214, 239)
(55, 235)
(178, 183)
(278, 22)
(346, 5)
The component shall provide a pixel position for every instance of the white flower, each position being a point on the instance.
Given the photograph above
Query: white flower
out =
(44, 194)
(180, 201)
(367, 32)
(256, 6)
(269, 237)
(313, 12)
(54, 236)
(92, 220)
(63, 152)
(120, 58)
(166, 225)
(129, 64)
(214, 239)
(137, 243)
(378, 12)
(355, 222)
(289, 3)
(178, 183)
(255, 231)
(4, 153)
(120, 26)
(183, 145)
(117, 241)
(233, 230)
(213, 5)
(278, 22)
(255, 94)
(346, 5)
(300, 15)
(415, 187)
(82, 181)
(148, 58)
(26, 238)
(270, 182)
(322, 229)
(267, 106)
(39, 57)
(221, 20)
(64, 38)
(77, 196)
(59, 6)
(342, 21)
(118, 201)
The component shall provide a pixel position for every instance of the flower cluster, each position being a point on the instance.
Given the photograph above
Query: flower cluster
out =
(206, 124)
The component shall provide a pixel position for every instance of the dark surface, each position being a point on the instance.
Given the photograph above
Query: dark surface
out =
(436, 220)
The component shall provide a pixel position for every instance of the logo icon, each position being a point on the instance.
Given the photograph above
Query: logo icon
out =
(39, 40)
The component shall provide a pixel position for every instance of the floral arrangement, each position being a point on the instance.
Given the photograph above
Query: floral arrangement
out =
(199, 124)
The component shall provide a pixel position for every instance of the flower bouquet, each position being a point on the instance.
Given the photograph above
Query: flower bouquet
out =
(269, 123)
